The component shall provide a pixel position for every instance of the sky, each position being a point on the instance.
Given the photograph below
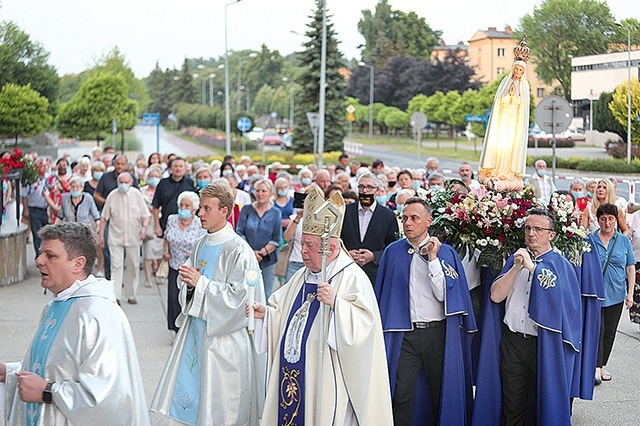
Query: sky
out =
(79, 32)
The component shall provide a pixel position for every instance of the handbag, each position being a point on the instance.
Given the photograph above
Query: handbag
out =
(163, 269)
(151, 233)
(280, 270)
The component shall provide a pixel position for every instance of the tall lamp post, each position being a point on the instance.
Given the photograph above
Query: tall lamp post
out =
(227, 111)
(211, 77)
(251, 55)
(248, 97)
(291, 103)
(321, 119)
(371, 80)
(203, 93)
(628, 91)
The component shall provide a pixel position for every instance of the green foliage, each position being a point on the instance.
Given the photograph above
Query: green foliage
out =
(559, 29)
(90, 112)
(23, 111)
(307, 98)
(160, 86)
(23, 62)
(594, 165)
(184, 90)
(603, 119)
(397, 120)
(270, 99)
(619, 107)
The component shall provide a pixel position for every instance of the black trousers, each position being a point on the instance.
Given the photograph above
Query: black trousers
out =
(37, 219)
(421, 348)
(518, 372)
(609, 320)
(173, 304)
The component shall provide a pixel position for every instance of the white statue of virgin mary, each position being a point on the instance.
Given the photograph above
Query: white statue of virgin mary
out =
(504, 151)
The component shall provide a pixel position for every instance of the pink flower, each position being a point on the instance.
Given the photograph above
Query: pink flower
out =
(480, 191)
(501, 204)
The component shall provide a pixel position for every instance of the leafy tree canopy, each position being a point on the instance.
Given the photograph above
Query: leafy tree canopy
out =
(23, 111)
(619, 107)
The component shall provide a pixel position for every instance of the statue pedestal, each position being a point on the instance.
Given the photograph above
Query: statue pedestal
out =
(13, 253)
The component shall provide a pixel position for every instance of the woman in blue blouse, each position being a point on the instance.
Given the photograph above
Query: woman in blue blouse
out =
(260, 224)
(618, 266)
(283, 201)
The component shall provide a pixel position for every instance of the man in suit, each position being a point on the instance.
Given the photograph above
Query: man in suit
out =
(368, 227)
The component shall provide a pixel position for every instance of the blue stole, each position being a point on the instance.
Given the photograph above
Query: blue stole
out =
(186, 393)
(293, 355)
(41, 347)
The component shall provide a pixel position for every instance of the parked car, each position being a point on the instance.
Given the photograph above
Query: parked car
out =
(573, 135)
(271, 138)
(256, 134)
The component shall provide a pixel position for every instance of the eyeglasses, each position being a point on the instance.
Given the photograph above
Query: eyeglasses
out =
(367, 188)
(535, 229)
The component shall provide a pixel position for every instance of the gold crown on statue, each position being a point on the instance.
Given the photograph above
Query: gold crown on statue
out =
(321, 216)
(522, 52)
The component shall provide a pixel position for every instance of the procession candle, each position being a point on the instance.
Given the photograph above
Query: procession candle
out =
(252, 278)
(582, 203)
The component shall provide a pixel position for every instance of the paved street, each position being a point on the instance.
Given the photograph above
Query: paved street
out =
(615, 403)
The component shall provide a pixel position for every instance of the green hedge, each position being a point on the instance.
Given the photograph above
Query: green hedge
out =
(596, 165)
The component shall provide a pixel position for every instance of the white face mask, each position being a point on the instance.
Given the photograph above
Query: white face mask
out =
(124, 187)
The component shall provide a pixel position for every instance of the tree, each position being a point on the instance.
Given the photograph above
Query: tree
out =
(397, 120)
(269, 99)
(23, 111)
(161, 88)
(603, 119)
(560, 29)
(26, 62)
(309, 94)
(619, 107)
(101, 98)
(184, 89)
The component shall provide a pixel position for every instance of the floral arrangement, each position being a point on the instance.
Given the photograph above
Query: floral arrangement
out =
(571, 237)
(493, 221)
(16, 161)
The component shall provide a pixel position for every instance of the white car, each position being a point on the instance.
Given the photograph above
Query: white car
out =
(256, 134)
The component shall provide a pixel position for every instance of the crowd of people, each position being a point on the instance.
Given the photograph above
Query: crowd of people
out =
(365, 316)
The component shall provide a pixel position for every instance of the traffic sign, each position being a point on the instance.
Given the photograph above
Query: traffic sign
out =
(313, 118)
(151, 118)
(351, 117)
(553, 114)
(476, 118)
(418, 120)
(351, 109)
(243, 124)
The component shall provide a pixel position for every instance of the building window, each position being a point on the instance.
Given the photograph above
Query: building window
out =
(540, 93)
(558, 91)
(500, 52)
(500, 70)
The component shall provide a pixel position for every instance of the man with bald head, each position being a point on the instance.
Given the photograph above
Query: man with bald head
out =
(323, 179)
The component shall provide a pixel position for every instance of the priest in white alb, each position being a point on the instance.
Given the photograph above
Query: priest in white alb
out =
(331, 375)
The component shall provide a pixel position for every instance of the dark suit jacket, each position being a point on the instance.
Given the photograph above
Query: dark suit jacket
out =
(382, 231)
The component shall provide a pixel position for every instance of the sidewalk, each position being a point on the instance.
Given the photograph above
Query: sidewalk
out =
(615, 402)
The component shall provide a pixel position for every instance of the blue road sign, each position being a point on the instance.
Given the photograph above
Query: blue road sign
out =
(151, 119)
(243, 124)
(476, 118)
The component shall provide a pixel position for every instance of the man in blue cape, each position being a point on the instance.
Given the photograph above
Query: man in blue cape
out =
(414, 324)
(530, 344)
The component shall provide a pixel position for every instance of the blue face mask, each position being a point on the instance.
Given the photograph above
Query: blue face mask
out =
(75, 193)
(578, 194)
(153, 181)
(415, 185)
(382, 199)
(400, 207)
(542, 173)
(305, 181)
(282, 193)
(184, 214)
(589, 194)
(97, 175)
(204, 182)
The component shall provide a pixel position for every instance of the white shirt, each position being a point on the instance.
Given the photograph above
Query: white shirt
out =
(426, 289)
(471, 270)
(516, 315)
(364, 218)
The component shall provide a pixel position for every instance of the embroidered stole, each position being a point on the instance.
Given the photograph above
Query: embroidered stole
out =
(293, 356)
(186, 393)
(41, 346)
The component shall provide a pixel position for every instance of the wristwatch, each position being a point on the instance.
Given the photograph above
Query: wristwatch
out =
(47, 395)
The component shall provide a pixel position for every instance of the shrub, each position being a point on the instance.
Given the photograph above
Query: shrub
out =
(618, 149)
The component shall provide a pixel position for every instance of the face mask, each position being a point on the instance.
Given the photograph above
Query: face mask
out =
(184, 214)
(306, 181)
(124, 187)
(381, 199)
(400, 207)
(542, 173)
(366, 199)
(436, 188)
(430, 172)
(415, 185)
(282, 193)
(75, 193)
(227, 173)
(97, 175)
(589, 194)
(153, 181)
(392, 184)
(578, 194)
(204, 182)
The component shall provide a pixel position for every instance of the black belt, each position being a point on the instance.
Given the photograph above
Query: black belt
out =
(523, 335)
(430, 324)
(37, 208)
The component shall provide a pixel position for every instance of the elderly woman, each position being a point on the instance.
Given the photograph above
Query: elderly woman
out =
(260, 224)
(56, 185)
(306, 179)
(204, 177)
(618, 271)
(84, 169)
(78, 206)
(283, 201)
(183, 229)
(152, 246)
(97, 170)
(605, 194)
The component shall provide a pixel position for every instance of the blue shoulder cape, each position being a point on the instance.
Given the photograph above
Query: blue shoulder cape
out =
(392, 292)
(555, 307)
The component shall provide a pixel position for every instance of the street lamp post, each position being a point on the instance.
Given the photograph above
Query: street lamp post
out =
(251, 55)
(371, 91)
(248, 97)
(227, 111)
(211, 77)
(203, 95)
(321, 116)
(591, 109)
(628, 91)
